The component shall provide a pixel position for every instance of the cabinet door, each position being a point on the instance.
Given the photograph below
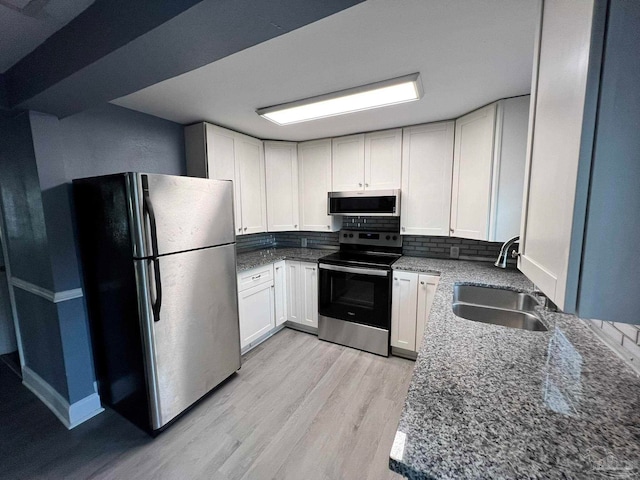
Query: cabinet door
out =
(256, 313)
(221, 164)
(427, 158)
(472, 174)
(314, 164)
(293, 283)
(250, 166)
(404, 303)
(559, 89)
(383, 160)
(347, 163)
(281, 162)
(512, 120)
(309, 294)
(280, 292)
(427, 285)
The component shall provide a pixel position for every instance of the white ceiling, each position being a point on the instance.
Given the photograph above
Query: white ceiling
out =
(25, 24)
(469, 53)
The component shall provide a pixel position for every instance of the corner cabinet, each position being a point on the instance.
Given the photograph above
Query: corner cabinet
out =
(427, 159)
(215, 152)
(582, 194)
(370, 161)
(302, 293)
(412, 297)
(488, 171)
(280, 291)
(281, 161)
(314, 183)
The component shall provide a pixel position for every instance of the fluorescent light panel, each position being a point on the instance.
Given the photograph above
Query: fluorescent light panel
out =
(375, 95)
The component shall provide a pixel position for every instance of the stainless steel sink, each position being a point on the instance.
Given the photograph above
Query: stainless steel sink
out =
(497, 316)
(497, 306)
(494, 297)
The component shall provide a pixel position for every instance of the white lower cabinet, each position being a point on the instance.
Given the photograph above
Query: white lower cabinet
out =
(280, 292)
(256, 310)
(412, 296)
(302, 293)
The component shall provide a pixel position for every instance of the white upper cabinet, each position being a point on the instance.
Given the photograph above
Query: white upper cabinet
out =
(427, 158)
(348, 163)
(383, 160)
(472, 174)
(510, 158)
(554, 252)
(281, 159)
(253, 198)
(488, 171)
(369, 161)
(314, 167)
(215, 152)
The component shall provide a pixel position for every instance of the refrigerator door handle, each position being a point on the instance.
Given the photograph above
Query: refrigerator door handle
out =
(148, 208)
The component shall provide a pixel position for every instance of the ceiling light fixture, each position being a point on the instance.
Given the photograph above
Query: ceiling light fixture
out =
(380, 94)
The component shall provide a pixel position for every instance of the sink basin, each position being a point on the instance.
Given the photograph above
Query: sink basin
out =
(497, 307)
(494, 297)
(498, 316)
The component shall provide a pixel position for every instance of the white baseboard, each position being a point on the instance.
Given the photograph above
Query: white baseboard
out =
(70, 415)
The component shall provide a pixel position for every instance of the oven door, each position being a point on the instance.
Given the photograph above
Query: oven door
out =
(356, 294)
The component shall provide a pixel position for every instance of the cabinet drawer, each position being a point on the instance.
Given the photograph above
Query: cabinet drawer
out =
(255, 276)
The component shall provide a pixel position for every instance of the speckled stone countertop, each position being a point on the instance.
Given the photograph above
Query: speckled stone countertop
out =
(257, 258)
(487, 401)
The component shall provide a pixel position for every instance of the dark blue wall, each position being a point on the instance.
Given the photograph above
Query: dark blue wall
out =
(610, 264)
(39, 156)
(27, 245)
(113, 139)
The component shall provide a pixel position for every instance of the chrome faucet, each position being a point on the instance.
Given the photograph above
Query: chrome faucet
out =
(504, 252)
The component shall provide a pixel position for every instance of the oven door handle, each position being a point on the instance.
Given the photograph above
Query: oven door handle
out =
(359, 271)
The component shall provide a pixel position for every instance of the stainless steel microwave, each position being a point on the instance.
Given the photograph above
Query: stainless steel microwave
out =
(365, 202)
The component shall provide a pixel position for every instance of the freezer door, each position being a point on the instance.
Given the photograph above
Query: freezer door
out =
(180, 213)
(195, 342)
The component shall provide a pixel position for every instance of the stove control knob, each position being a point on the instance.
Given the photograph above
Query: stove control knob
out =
(388, 237)
(351, 235)
(345, 235)
(395, 237)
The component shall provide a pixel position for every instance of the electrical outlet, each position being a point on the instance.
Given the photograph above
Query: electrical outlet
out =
(454, 252)
(303, 243)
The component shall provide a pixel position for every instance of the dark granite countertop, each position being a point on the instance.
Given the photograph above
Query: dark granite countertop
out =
(493, 402)
(257, 258)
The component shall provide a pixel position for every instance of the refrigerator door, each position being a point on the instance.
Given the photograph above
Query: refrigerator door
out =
(179, 213)
(195, 342)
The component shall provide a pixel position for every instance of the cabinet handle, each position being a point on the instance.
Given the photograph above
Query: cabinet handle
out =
(421, 283)
(328, 227)
(245, 229)
(255, 277)
(366, 184)
(395, 278)
(359, 184)
(295, 226)
(240, 229)
(451, 230)
(403, 229)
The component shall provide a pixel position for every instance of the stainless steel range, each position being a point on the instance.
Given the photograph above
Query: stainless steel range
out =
(354, 303)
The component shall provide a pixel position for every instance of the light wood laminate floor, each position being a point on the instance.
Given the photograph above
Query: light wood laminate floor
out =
(299, 408)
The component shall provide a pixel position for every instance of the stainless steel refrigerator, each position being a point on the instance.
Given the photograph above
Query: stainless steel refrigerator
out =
(159, 267)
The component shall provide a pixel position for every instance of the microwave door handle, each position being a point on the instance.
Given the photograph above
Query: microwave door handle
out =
(148, 207)
(356, 270)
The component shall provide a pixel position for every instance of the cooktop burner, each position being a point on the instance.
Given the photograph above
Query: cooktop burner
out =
(366, 249)
(371, 259)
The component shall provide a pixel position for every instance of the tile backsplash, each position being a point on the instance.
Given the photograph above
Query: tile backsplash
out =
(625, 338)
(255, 241)
(413, 245)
